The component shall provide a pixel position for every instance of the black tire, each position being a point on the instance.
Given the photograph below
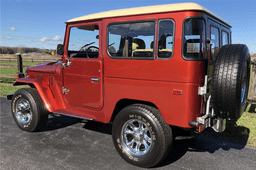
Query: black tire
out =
(157, 130)
(231, 76)
(28, 110)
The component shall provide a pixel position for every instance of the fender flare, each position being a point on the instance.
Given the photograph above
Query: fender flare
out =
(43, 89)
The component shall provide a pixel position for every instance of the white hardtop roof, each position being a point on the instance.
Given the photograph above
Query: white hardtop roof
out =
(147, 10)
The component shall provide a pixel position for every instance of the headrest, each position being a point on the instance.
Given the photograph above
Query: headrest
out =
(138, 44)
(152, 45)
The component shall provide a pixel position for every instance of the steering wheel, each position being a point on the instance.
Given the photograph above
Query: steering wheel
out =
(87, 50)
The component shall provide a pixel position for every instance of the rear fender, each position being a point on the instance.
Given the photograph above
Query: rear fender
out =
(43, 89)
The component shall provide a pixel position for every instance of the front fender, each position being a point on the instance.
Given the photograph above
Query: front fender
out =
(43, 89)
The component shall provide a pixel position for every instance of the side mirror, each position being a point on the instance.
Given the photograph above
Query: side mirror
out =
(60, 49)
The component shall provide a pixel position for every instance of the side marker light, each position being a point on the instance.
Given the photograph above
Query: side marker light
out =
(177, 92)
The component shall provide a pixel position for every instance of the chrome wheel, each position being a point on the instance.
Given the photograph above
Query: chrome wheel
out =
(136, 137)
(23, 111)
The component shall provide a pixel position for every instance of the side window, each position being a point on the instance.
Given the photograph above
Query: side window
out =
(165, 38)
(194, 39)
(224, 38)
(131, 40)
(215, 39)
(84, 42)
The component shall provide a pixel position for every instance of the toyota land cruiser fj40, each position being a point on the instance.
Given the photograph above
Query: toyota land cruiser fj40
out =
(147, 70)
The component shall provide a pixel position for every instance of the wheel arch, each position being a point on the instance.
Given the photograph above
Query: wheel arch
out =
(43, 90)
(122, 103)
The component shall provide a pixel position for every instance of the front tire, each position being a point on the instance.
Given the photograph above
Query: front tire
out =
(28, 110)
(140, 135)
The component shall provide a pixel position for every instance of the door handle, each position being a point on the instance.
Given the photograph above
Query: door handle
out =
(95, 80)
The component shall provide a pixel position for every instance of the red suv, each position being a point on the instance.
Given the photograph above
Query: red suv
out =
(147, 70)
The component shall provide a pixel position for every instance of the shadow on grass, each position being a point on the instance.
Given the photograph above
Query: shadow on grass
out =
(252, 108)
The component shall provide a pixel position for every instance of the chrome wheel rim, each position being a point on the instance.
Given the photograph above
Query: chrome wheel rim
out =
(137, 137)
(23, 111)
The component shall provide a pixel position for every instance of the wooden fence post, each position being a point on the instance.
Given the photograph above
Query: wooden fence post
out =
(19, 59)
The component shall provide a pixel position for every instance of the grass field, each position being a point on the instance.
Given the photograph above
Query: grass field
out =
(7, 88)
(9, 71)
(248, 121)
(24, 63)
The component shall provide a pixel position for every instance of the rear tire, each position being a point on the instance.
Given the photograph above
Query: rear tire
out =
(140, 135)
(231, 81)
(28, 110)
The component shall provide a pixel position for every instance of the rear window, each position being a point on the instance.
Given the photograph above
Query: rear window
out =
(131, 40)
(194, 39)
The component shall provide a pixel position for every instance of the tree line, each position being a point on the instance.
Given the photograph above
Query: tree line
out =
(14, 50)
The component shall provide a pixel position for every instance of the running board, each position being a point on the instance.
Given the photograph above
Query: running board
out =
(80, 117)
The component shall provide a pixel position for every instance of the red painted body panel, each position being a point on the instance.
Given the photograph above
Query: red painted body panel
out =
(48, 67)
(42, 86)
(176, 110)
(83, 91)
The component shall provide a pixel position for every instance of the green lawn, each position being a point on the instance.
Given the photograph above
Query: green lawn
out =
(248, 121)
(9, 71)
(7, 80)
(24, 63)
(6, 88)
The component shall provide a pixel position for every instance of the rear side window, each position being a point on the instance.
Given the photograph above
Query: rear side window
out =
(224, 38)
(194, 39)
(215, 41)
(165, 38)
(131, 40)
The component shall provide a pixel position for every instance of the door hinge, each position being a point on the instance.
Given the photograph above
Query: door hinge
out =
(65, 90)
(203, 90)
(67, 64)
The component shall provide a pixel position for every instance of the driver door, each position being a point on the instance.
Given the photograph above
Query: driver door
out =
(82, 79)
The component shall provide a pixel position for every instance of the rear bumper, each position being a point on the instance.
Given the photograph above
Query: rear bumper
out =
(9, 96)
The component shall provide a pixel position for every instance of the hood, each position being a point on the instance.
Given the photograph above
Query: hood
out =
(48, 67)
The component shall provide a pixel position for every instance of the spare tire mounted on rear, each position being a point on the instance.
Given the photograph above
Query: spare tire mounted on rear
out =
(231, 81)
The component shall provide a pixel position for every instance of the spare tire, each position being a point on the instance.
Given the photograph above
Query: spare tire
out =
(230, 83)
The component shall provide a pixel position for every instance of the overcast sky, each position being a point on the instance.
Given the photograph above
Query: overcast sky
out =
(41, 23)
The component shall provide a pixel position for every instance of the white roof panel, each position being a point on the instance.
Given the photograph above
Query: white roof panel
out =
(147, 10)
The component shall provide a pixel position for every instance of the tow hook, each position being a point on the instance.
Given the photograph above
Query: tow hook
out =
(209, 120)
